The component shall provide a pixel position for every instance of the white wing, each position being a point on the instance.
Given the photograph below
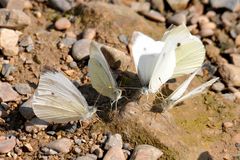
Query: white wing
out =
(197, 90)
(57, 100)
(145, 52)
(100, 74)
(190, 54)
(178, 93)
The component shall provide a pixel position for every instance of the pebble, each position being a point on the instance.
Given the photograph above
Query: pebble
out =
(62, 145)
(206, 32)
(28, 147)
(27, 4)
(232, 5)
(154, 15)
(7, 143)
(14, 19)
(158, 4)
(77, 150)
(237, 40)
(26, 109)
(66, 42)
(69, 59)
(61, 5)
(114, 153)
(7, 93)
(23, 88)
(218, 86)
(78, 141)
(123, 38)
(48, 151)
(140, 6)
(71, 127)
(229, 96)
(80, 49)
(27, 43)
(208, 25)
(143, 152)
(7, 69)
(73, 65)
(87, 157)
(230, 73)
(227, 125)
(62, 24)
(97, 151)
(113, 140)
(89, 33)
(178, 5)
(35, 125)
(8, 41)
(178, 18)
(13, 4)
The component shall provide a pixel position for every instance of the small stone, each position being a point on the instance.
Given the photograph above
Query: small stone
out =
(62, 145)
(7, 143)
(78, 141)
(28, 147)
(71, 127)
(229, 96)
(61, 5)
(142, 152)
(114, 140)
(77, 150)
(35, 125)
(208, 25)
(237, 40)
(232, 5)
(52, 133)
(123, 38)
(13, 4)
(62, 24)
(218, 86)
(48, 151)
(227, 125)
(14, 19)
(235, 59)
(178, 5)
(80, 49)
(8, 42)
(87, 157)
(230, 74)
(140, 6)
(66, 42)
(97, 151)
(27, 4)
(178, 19)
(73, 65)
(158, 4)
(26, 109)
(114, 153)
(23, 88)
(7, 69)
(229, 18)
(153, 15)
(206, 32)
(26, 41)
(89, 33)
(38, 14)
(69, 59)
(7, 93)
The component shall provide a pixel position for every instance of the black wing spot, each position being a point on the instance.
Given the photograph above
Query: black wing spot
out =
(178, 44)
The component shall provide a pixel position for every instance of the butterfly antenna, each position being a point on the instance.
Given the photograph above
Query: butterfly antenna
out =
(96, 100)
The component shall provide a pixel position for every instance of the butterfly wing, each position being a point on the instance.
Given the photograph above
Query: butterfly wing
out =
(58, 100)
(197, 90)
(190, 53)
(100, 74)
(145, 52)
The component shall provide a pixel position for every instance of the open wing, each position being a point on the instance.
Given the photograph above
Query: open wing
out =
(57, 100)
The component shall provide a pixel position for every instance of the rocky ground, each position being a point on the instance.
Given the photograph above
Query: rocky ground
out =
(57, 33)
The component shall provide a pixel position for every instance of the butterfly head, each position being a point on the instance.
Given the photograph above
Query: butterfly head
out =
(117, 94)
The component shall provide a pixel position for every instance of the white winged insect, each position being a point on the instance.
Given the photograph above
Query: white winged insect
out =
(101, 77)
(178, 53)
(57, 100)
(177, 96)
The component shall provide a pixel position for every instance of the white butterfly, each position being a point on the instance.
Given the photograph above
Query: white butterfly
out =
(178, 53)
(101, 77)
(177, 96)
(57, 100)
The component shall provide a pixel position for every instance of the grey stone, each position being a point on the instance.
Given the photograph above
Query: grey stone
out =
(178, 19)
(114, 140)
(233, 5)
(25, 41)
(178, 5)
(62, 145)
(14, 19)
(218, 86)
(140, 6)
(87, 157)
(114, 153)
(7, 143)
(7, 69)
(229, 96)
(23, 88)
(153, 15)
(80, 49)
(123, 38)
(73, 65)
(62, 5)
(26, 109)
(7, 93)
(68, 42)
(230, 74)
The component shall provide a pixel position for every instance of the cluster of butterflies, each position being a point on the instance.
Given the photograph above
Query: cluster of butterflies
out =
(178, 53)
